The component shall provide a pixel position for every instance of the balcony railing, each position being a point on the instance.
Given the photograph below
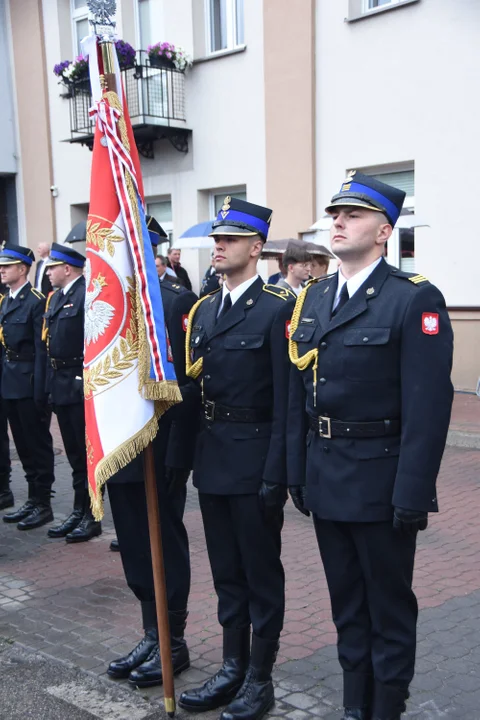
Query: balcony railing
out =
(156, 103)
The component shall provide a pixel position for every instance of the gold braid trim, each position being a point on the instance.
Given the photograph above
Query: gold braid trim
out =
(118, 460)
(193, 370)
(311, 356)
(44, 325)
(2, 337)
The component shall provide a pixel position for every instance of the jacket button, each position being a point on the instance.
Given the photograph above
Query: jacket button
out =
(323, 345)
(326, 449)
(207, 377)
(387, 450)
(365, 339)
(208, 349)
(301, 335)
(322, 381)
(242, 343)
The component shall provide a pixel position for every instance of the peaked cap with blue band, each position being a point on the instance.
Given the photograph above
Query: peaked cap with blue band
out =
(239, 217)
(155, 230)
(64, 255)
(368, 192)
(14, 254)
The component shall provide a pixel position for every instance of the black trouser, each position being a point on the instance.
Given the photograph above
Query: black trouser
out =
(129, 510)
(31, 434)
(5, 464)
(369, 569)
(71, 421)
(244, 551)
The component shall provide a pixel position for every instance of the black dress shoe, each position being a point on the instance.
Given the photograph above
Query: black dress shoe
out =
(356, 714)
(150, 672)
(69, 524)
(218, 690)
(87, 529)
(21, 513)
(115, 546)
(254, 699)
(40, 515)
(122, 667)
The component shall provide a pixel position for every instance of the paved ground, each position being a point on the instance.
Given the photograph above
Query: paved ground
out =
(67, 611)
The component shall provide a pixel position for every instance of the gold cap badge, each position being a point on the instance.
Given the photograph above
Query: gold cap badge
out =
(226, 206)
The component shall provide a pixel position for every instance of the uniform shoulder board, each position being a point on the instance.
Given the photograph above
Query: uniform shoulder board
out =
(173, 287)
(415, 279)
(280, 292)
(37, 293)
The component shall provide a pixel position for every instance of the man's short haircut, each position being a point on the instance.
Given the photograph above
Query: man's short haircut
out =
(162, 259)
(295, 253)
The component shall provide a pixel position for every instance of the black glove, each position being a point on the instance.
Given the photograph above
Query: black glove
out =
(409, 521)
(272, 498)
(176, 479)
(297, 493)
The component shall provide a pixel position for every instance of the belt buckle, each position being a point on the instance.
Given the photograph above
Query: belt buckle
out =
(324, 433)
(209, 408)
(53, 363)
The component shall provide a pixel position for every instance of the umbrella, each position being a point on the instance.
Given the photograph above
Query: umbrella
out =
(77, 233)
(274, 248)
(195, 238)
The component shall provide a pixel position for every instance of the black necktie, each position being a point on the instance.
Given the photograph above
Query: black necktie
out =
(227, 304)
(342, 300)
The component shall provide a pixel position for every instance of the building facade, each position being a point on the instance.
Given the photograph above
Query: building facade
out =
(282, 100)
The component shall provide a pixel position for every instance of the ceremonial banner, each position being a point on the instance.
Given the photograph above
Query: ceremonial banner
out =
(128, 379)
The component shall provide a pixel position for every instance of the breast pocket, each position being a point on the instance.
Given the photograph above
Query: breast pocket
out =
(369, 354)
(244, 342)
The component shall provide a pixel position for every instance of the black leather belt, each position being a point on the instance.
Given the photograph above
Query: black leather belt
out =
(58, 363)
(20, 357)
(328, 428)
(214, 411)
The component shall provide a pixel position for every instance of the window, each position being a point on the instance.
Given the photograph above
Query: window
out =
(374, 4)
(144, 24)
(217, 199)
(225, 24)
(81, 27)
(162, 212)
(401, 246)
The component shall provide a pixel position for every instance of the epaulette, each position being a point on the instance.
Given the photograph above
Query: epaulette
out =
(174, 287)
(37, 293)
(415, 279)
(281, 292)
(193, 370)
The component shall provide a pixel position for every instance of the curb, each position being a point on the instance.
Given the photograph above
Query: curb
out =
(455, 438)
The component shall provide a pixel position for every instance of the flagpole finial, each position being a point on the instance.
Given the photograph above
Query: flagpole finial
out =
(103, 16)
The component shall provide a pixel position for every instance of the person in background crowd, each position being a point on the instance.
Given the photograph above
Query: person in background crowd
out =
(63, 333)
(24, 362)
(319, 262)
(273, 279)
(296, 266)
(173, 453)
(237, 337)
(42, 281)
(369, 410)
(180, 272)
(162, 269)
(211, 280)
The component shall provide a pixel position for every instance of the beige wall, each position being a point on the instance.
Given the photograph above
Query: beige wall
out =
(466, 359)
(33, 121)
(289, 59)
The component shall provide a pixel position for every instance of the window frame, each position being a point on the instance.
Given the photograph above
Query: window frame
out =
(167, 225)
(220, 192)
(77, 14)
(231, 28)
(359, 10)
(367, 9)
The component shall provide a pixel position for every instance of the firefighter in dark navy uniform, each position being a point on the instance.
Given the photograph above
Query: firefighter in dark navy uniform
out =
(370, 402)
(63, 332)
(23, 385)
(237, 350)
(173, 449)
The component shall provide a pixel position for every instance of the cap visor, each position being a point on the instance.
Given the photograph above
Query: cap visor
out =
(51, 263)
(10, 261)
(232, 230)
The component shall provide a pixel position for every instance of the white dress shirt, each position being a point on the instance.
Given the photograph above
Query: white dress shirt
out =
(67, 287)
(14, 293)
(238, 292)
(355, 282)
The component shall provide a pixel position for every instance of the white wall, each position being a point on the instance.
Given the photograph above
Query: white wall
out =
(8, 162)
(403, 86)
